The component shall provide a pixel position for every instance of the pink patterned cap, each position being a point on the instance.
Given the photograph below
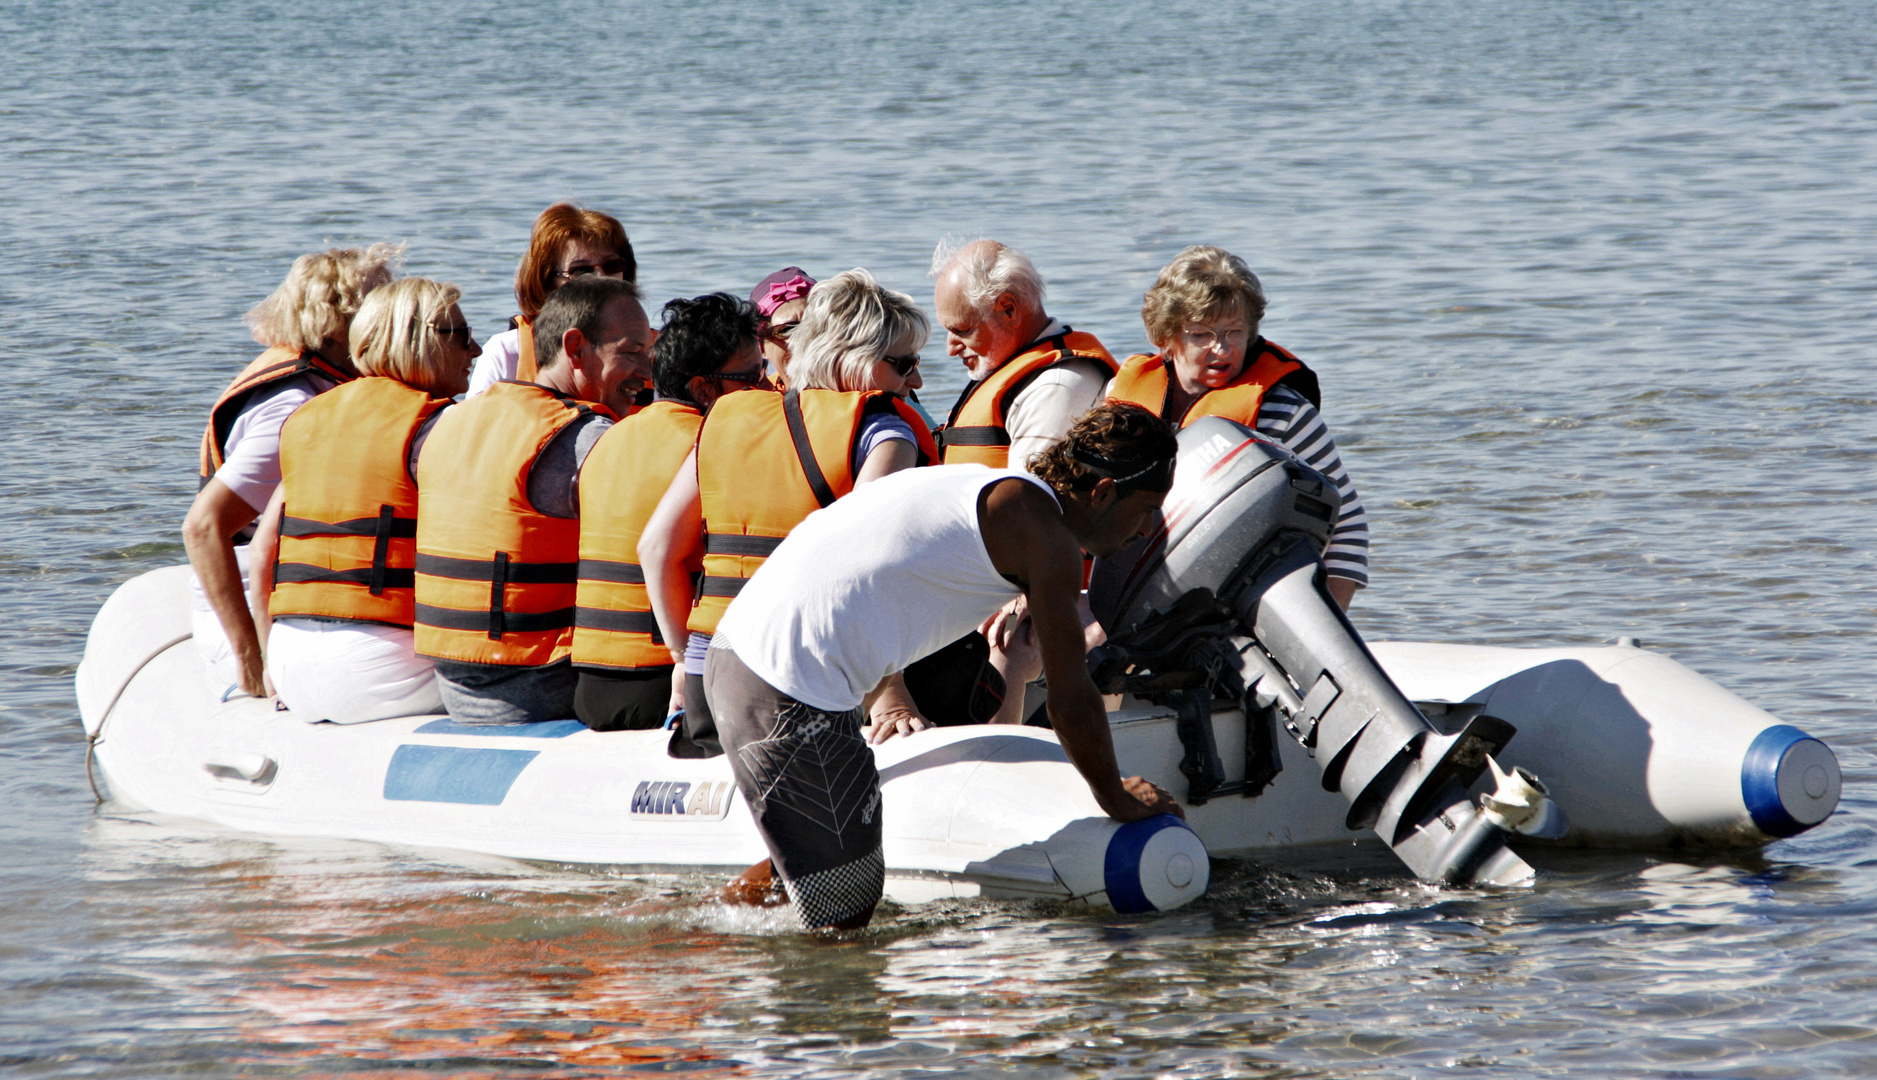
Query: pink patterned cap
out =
(786, 284)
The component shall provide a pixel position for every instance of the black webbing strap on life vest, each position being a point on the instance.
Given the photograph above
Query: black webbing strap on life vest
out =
(307, 574)
(383, 529)
(721, 586)
(498, 591)
(973, 436)
(381, 547)
(736, 544)
(1303, 381)
(756, 547)
(299, 527)
(498, 572)
(500, 567)
(798, 434)
(476, 622)
(620, 622)
(613, 573)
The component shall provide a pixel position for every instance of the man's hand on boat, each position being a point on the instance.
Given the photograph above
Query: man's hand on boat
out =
(890, 712)
(1152, 798)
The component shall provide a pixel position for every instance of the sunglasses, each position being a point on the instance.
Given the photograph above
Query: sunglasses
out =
(902, 365)
(752, 376)
(613, 267)
(460, 333)
(780, 331)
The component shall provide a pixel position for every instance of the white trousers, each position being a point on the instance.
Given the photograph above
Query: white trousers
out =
(350, 672)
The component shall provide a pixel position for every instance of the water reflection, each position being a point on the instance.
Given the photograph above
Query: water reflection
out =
(305, 954)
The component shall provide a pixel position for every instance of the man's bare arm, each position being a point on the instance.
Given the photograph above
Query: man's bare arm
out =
(1027, 542)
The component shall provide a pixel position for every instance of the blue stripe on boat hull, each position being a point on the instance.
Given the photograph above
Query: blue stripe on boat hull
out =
(547, 729)
(454, 774)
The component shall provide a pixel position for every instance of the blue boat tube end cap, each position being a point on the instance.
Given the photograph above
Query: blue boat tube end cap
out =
(1790, 781)
(1155, 864)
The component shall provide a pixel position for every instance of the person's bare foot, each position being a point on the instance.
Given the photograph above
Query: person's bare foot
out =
(757, 887)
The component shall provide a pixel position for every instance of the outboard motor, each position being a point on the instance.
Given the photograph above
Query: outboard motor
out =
(1228, 599)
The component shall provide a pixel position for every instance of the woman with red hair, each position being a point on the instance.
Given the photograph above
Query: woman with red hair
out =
(568, 241)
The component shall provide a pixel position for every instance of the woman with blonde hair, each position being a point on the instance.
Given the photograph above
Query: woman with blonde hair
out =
(336, 552)
(1202, 314)
(304, 324)
(567, 242)
(764, 461)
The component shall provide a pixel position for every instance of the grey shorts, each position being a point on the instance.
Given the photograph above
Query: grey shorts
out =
(811, 784)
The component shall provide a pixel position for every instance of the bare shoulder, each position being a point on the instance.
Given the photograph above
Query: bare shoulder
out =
(1022, 526)
(1013, 502)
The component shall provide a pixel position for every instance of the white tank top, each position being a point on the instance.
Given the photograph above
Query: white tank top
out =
(890, 573)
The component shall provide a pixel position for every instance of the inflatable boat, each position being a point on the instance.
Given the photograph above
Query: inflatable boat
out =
(1240, 688)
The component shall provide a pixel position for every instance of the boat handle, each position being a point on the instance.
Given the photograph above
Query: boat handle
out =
(255, 768)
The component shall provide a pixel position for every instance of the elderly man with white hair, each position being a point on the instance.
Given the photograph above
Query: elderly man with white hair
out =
(1031, 376)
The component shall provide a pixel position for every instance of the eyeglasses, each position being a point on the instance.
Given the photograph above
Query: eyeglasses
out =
(460, 333)
(1206, 340)
(902, 365)
(780, 331)
(751, 377)
(611, 267)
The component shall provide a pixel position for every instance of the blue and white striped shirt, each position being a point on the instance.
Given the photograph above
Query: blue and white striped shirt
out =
(1288, 417)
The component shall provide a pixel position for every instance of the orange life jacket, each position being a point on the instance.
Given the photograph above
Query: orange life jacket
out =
(1143, 381)
(272, 366)
(765, 461)
(348, 538)
(525, 367)
(495, 576)
(620, 485)
(974, 434)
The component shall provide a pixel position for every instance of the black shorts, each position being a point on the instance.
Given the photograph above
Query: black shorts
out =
(811, 785)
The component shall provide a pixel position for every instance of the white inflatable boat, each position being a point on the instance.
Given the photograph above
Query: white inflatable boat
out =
(1637, 751)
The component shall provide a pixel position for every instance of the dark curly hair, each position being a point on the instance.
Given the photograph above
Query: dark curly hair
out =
(1116, 440)
(699, 337)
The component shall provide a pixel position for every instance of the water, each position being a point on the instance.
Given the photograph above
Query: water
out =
(1591, 287)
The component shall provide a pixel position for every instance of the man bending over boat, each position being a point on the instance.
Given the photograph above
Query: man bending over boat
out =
(894, 571)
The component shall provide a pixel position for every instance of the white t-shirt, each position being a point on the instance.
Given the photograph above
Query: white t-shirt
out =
(251, 457)
(251, 469)
(500, 356)
(890, 573)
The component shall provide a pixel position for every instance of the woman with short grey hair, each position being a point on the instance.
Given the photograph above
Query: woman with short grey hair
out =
(1203, 315)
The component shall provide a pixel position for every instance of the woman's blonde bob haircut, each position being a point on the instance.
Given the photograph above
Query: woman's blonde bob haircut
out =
(851, 322)
(322, 292)
(1202, 284)
(395, 334)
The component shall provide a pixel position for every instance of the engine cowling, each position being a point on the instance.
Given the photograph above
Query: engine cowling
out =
(1227, 597)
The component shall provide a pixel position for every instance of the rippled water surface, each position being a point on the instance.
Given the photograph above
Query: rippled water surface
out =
(1592, 288)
